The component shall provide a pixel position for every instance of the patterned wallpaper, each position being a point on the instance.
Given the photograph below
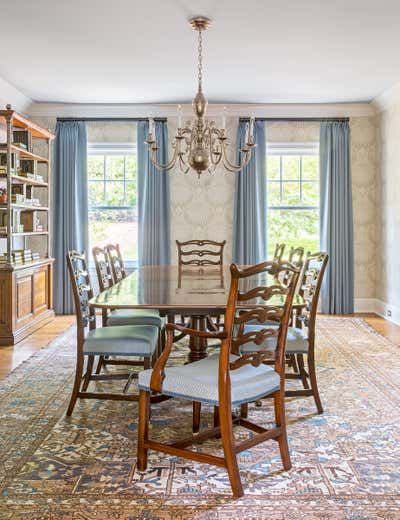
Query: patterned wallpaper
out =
(363, 166)
(203, 208)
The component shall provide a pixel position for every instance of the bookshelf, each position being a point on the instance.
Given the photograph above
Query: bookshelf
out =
(26, 265)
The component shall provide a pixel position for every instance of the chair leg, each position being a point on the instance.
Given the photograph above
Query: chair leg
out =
(244, 410)
(146, 363)
(304, 380)
(100, 364)
(89, 369)
(279, 406)
(196, 416)
(143, 430)
(313, 381)
(216, 416)
(293, 362)
(77, 384)
(225, 417)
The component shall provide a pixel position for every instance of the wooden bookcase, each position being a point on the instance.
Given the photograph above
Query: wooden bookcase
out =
(26, 266)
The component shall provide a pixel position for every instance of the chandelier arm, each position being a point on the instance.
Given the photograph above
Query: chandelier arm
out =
(183, 166)
(168, 166)
(236, 167)
(215, 159)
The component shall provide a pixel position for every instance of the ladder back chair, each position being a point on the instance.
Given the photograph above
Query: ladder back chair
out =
(200, 254)
(279, 250)
(138, 341)
(230, 378)
(300, 341)
(116, 262)
(121, 316)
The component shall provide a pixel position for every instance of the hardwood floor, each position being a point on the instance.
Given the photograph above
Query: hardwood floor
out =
(11, 357)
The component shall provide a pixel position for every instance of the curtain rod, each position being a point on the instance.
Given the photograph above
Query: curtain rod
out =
(164, 119)
(297, 119)
(110, 119)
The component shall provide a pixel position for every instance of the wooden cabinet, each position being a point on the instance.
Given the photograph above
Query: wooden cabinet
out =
(25, 300)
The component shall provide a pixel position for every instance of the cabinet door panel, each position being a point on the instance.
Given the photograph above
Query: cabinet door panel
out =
(40, 287)
(24, 297)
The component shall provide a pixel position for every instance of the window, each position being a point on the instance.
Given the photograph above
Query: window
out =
(293, 195)
(112, 186)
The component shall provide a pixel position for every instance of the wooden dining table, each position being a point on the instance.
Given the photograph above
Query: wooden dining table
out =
(193, 292)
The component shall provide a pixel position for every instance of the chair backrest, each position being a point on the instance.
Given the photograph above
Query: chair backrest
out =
(103, 267)
(200, 253)
(267, 299)
(296, 255)
(295, 258)
(310, 286)
(279, 250)
(82, 291)
(116, 262)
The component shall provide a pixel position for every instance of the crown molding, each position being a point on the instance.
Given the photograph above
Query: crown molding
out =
(388, 98)
(170, 110)
(9, 95)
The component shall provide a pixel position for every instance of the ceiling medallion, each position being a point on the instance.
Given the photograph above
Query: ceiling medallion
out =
(199, 144)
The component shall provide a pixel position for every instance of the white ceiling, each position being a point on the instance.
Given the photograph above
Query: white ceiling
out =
(257, 51)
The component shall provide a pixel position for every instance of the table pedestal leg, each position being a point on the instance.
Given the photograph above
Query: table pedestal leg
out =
(198, 346)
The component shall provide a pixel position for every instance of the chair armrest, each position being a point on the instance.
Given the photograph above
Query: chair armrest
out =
(158, 374)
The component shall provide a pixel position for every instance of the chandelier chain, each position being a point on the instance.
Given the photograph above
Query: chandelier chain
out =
(200, 58)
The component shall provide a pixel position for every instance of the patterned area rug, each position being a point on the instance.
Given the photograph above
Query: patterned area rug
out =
(346, 462)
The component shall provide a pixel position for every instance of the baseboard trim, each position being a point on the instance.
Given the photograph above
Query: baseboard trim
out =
(365, 305)
(387, 311)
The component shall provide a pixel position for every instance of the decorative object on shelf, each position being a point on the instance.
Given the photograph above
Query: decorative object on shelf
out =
(3, 196)
(199, 144)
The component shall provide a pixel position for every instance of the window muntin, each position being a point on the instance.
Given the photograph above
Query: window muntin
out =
(112, 192)
(293, 195)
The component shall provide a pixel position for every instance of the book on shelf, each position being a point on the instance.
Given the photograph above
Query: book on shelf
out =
(23, 138)
(28, 166)
(26, 255)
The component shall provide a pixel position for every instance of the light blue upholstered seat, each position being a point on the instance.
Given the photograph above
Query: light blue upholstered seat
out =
(126, 340)
(198, 381)
(296, 341)
(135, 317)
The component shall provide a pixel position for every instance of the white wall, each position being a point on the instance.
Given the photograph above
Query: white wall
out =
(388, 203)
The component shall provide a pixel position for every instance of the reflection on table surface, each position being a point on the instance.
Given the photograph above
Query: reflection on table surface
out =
(169, 287)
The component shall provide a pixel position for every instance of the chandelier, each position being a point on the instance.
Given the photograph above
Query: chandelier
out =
(199, 144)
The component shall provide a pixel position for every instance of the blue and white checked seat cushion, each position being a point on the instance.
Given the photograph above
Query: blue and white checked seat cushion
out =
(124, 340)
(198, 381)
(135, 317)
(296, 341)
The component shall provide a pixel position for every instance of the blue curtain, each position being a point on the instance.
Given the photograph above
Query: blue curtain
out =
(250, 211)
(336, 220)
(70, 206)
(154, 198)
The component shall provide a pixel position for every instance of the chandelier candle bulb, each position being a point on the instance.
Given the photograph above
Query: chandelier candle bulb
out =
(246, 136)
(223, 125)
(179, 116)
(252, 127)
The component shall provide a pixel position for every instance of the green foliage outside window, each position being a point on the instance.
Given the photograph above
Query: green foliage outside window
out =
(293, 184)
(112, 186)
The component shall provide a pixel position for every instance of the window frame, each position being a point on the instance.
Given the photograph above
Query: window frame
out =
(112, 149)
(294, 149)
